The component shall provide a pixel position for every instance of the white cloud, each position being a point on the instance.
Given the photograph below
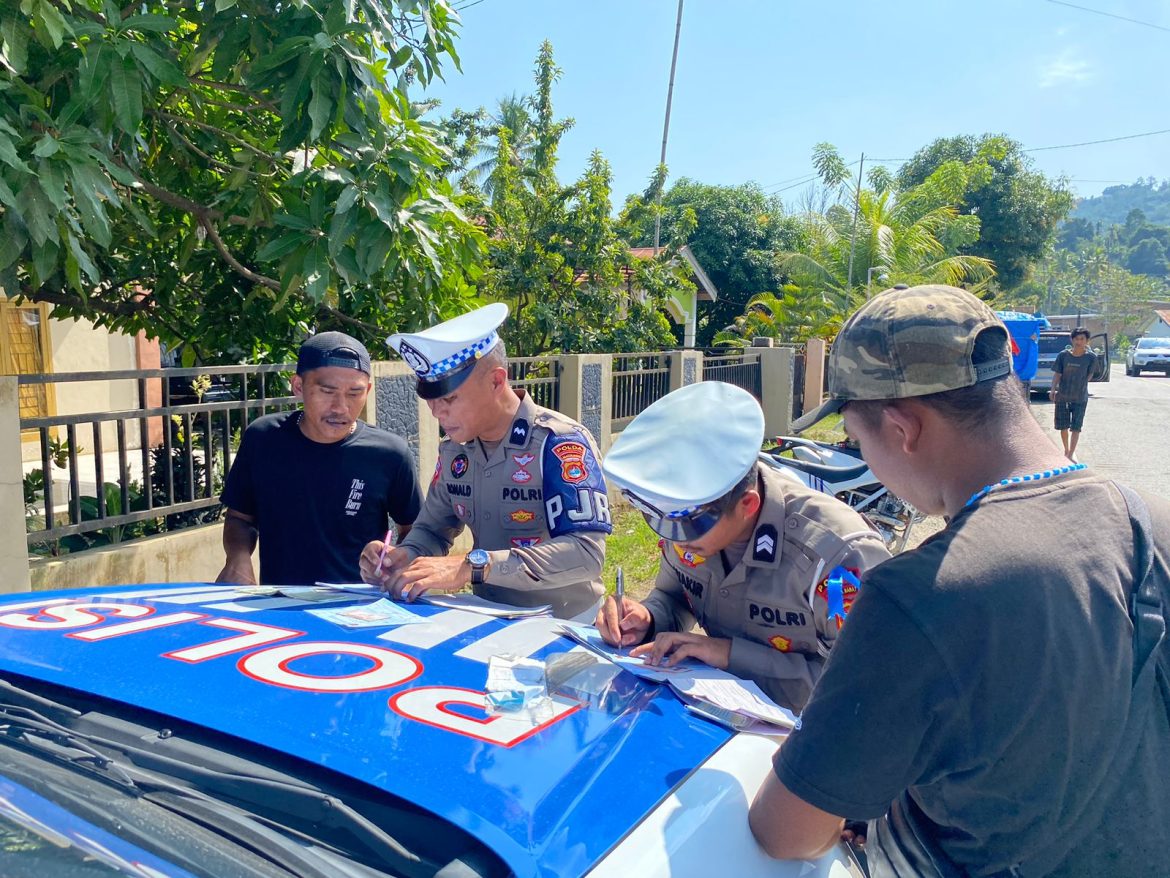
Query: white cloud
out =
(1066, 68)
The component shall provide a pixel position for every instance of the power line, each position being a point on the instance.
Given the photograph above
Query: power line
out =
(1094, 142)
(1110, 15)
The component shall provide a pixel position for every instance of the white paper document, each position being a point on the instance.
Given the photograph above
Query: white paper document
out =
(732, 700)
(475, 604)
(379, 614)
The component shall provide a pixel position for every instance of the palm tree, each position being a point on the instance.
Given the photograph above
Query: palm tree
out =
(793, 315)
(911, 239)
(512, 116)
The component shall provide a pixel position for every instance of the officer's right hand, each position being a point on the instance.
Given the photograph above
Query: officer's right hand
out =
(379, 562)
(237, 573)
(624, 626)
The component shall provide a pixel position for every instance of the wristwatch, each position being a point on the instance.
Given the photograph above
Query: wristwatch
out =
(478, 560)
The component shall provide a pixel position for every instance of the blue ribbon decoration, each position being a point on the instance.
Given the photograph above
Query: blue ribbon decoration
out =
(835, 592)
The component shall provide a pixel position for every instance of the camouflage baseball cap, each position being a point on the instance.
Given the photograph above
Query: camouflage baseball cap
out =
(908, 342)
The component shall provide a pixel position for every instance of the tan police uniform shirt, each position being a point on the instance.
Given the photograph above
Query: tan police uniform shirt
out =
(536, 502)
(762, 601)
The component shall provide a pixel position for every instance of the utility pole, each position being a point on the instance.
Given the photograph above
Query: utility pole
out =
(856, 208)
(666, 127)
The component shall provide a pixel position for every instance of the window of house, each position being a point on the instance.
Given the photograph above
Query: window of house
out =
(25, 350)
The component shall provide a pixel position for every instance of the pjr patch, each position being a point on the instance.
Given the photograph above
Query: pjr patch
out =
(690, 559)
(572, 458)
(459, 466)
(522, 516)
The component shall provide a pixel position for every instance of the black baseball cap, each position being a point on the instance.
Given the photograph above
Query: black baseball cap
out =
(333, 349)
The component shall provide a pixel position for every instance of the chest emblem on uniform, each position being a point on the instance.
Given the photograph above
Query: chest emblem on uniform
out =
(521, 476)
(523, 459)
(438, 469)
(459, 466)
(522, 516)
(765, 545)
(572, 458)
(461, 510)
(689, 559)
(519, 434)
(524, 542)
(781, 643)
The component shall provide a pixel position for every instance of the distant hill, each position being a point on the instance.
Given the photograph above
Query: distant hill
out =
(1113, 205)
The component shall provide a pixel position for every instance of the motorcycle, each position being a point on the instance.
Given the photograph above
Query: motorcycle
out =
(839, 470)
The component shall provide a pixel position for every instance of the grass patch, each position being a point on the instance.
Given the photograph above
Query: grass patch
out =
(633, 547)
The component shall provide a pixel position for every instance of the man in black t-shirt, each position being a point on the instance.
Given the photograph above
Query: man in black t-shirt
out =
(1070, 389)
(979, 689)
(317, 484)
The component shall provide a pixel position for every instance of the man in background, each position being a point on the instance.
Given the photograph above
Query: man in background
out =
(315, 485)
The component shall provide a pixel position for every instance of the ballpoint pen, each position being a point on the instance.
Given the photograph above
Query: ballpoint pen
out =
(619, 593)
(385, 546)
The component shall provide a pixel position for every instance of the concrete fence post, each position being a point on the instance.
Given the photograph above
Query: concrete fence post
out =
(686, 367)
(776, 389)
(587, 393)
(814, 373)
(394, 405)
(13, 547)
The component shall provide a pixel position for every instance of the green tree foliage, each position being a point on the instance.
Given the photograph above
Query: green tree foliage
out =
(555, 253)
(793, 315)
(1116, 202)
(734, 232)
(229, 173)
(912, 237)
(1018, 208)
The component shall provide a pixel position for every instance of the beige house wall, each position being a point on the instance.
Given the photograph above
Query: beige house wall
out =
(80, 346)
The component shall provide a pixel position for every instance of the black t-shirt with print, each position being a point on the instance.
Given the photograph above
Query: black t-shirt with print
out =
(317, 505)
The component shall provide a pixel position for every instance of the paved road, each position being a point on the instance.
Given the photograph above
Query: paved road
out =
(1126, 435)
(1127, 430)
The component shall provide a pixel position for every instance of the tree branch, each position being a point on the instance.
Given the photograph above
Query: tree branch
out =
(230, 259)
(328, 312)
(239, 141)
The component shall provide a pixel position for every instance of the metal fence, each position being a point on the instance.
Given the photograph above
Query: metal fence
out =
(637, 381)
(741, 369)
(540, 376)
(158, 485)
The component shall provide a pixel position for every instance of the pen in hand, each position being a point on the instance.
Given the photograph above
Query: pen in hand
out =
(385, 546)
(619, 593)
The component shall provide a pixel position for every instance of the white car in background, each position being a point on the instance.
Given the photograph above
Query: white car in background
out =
(1149, 355)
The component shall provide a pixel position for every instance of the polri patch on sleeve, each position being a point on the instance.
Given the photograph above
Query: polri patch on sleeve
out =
(764, 546)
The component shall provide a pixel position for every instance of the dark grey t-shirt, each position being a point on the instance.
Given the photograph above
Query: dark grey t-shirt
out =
(1074, 375)
(989, 672)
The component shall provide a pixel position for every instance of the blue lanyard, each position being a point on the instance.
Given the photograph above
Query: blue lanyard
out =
(1034, 477)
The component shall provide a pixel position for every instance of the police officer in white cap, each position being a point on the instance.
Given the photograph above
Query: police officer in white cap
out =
(767, 566)
(526, 480)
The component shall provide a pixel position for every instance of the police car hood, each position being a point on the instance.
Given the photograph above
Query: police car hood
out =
(401, 709)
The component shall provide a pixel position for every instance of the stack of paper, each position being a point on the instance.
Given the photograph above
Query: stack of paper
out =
(715, 694)
(474, 604)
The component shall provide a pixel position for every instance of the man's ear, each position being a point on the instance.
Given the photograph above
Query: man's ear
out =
(298, 386)
(750, 503)
(498, 378)
(905, 418)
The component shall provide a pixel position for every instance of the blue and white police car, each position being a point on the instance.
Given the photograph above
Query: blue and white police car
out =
(195, 730)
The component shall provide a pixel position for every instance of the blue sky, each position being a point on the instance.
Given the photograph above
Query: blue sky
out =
(759, 82)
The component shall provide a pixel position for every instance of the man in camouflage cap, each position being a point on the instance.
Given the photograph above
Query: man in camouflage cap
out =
(979, 693)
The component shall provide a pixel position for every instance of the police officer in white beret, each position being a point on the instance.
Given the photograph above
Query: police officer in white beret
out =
(750, 554)
(526, 480)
